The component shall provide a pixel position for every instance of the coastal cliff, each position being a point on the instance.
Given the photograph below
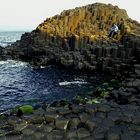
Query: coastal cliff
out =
(78, 38)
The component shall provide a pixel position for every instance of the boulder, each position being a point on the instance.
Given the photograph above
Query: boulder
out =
(82, 133)
(61, 123)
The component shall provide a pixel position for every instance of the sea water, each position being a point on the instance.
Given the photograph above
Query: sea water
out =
(7, 38)
(22, 84)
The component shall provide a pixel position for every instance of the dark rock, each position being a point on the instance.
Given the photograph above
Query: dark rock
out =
(91, 125)
(61, 123)
(82, 133)
(63, 111)
(84, 117)
(11, 137)
(135, 128)
(50, 117)
(137, 137)
(112, 136)
(132, 90)
(88, 138)
(71, 134)
(100, 115)
(114, 115)
(99, 132)
(36, 119)
(136, 119)
(73, 123)
(39, 135)
(19, 113)
(77, 109)
(29, 131)
(58, 134)
(107, 123)
(127, 137)
(91, 108)
(104, 108)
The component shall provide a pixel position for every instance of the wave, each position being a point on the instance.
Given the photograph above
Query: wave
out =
(13, 63)
(8, 38)
(4, 44)
(65, 83)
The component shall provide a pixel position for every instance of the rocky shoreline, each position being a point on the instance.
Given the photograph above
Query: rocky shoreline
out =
(81, 44)
(109, 112)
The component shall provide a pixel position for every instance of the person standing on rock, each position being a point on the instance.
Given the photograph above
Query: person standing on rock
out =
(121, 26)
(113, 31)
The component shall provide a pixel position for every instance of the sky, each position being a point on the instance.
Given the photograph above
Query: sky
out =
(28, 14)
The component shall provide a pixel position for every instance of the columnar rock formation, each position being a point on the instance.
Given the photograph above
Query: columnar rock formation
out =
(78, 38)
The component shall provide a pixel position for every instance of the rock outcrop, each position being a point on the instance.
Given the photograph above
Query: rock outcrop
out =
(78, 38)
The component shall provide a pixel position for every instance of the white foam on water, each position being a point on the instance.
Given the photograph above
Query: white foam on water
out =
(7, 38)
(42, 67)
(13, 63)
(4, 44)
(3, 62)
(65, 83)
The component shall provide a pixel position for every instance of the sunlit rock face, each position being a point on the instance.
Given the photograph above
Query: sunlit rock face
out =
(78, 38)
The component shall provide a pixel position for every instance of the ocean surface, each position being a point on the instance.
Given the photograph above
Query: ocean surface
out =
(22, 84)
(7, 38)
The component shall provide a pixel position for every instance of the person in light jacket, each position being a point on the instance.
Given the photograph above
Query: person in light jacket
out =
(113, 31)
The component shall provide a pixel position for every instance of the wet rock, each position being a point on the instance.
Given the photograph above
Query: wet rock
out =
(77, 109)
(63, 111)
(50, 117)
(91, 125)
(112, 136)
(128, 113)
(71, 134)
(61, 123)
(114, 115)
(137, 66)
(14, 132)
(100, 115)
(99, 132)
(97, 120)
(73, 138)
(48, 136)
(28, 131)
(91, 108)
(48, 128)
(135, 128)
(14, 137)
(104, 108)
(107, 123)
(132, 90)
(88, 138)
(6, 129)
(133, 83)
(127, 137)
(25, 137)
(73, 123)
(116, 130)
(84, 117)
(123, 127)
(36, 119)
(12, 120)
(136, 119)
(58, 134)
(20, 126)
(82, 132)
(39, 135)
